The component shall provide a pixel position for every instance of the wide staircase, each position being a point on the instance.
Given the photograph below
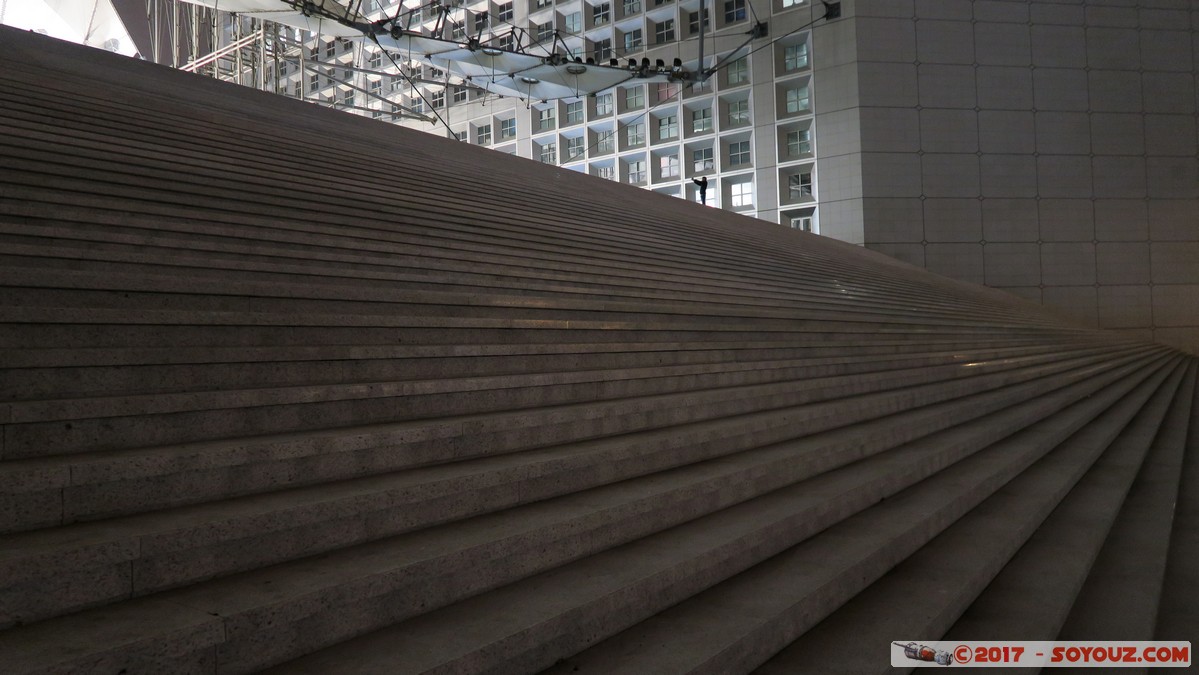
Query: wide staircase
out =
(287, 389)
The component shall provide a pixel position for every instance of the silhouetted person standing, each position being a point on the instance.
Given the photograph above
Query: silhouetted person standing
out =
(702, 182)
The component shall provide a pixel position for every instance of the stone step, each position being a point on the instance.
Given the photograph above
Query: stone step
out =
(44, 428)
(1033, 595)
(284, 611)
(532, 624)
(923, 596)
(452, 175)
(143, 554)
(47, 373)
(707, 368)
(54, 256)
(1121, 595)
(41, 492)
(1178, 613)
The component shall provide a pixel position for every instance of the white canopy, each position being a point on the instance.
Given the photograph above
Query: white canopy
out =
(505, 72)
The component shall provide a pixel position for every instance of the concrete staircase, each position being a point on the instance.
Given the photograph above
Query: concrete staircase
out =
(289, 389)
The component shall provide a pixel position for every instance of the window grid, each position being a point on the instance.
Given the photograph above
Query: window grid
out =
(795, 56)
(549, 153)
(702, 160)
(798, 100)
(739, 154)
(734, 10)
(701, 120)
(635, 134)
(742, 194)
(484, 134)
(634, 97)
(668, 127)
(799, 143)
(508, 128)
(632, 40)
(603, 104)
(738, 71)
(637, 171)
(738, 112)
(800, 185)
(669, 165)
(601, 13)
(664, 31)
(574, 112)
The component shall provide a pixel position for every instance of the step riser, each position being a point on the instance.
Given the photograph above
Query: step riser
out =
(110, 490)
(392, 513)
(71, 430)
(83, 381)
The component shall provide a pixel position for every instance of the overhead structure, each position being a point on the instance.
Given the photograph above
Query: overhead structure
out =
(503, 71)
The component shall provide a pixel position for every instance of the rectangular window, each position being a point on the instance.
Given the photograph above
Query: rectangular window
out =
(603, 104)
(668, 127)
(503, 11)
(437, 98)
(575, 147)
(803, 223)
(544, 3)
(632, 40)
(460, 135)
(637, 172)
(667, 91)
(635, 134)
(458, 31)
(800, 185)
(738, 113)
(634, 97)
(739, 153)
(664, 32)
(314, 82)
(701, 160)
(461, 94)
(738, 71)
(606, 172)
(484, 134)
(549, 153)
(330, 49)
(545, 31)
(603, 50)
(734, 10)
(601, 13)
(669, 165)
(506, 42)
(742, 193)
(799, 143)
(574, 112)
(797, 99)
(606, 142)
(573, 22)
(347, 97)
(795, 56)
(792, 3)
(480, 22)
(376, 59)
(701, 120)
(508, 128)
(693, 21)
(545, 119)
(375, 87)
(632, 7)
